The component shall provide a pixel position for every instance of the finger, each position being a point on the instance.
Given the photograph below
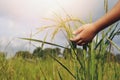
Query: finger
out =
(76, 39)
(78, 30)
(79, 42)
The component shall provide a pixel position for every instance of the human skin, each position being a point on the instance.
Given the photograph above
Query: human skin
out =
(87, 32)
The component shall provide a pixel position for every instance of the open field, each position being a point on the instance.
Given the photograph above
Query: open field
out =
(49, 69)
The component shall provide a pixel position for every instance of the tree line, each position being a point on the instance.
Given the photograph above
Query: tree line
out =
(56, 52)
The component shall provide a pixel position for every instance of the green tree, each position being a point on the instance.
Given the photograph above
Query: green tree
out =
(23, 54)
(44, 53)
(118, 58)
(51, 51)
(67, 53)
(38, 52)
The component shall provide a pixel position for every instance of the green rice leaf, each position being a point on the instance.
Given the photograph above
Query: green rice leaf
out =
(63, 66)
(118, 48)
(60, 76)
(40, 41)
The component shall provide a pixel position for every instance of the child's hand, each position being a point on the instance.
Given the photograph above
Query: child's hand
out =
(84, 34)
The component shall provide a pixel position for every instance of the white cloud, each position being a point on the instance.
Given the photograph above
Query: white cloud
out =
(32, 9)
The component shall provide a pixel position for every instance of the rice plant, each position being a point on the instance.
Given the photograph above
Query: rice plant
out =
(95, 63)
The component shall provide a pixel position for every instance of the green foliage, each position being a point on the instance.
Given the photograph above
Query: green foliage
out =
(67, 53)
(44, 53)
(49, 69)
(23, 54)
(38, 52)
(2, 54)
(118, 58)
(34, 69)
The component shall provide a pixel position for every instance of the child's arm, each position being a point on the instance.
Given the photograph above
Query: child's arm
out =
(87, 32)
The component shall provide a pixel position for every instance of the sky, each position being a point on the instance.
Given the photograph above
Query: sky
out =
(20, 18)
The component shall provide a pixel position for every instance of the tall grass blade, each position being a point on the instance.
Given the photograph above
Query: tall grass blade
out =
(43, 73)
(114, 44)
(63, 66)
(40, 41)
(113, 33)
(60, 76)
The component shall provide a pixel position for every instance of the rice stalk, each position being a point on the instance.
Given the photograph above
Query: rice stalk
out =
(106, 5)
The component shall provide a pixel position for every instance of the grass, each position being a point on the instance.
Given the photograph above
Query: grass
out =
(93, 64)
(38, 69)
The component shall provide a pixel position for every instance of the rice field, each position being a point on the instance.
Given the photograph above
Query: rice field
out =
(50, 69)
(92, 63)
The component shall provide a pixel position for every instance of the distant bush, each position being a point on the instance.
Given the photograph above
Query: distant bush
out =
(118, 58)
(67, 53)
(44, 53)
(23, 54)
(2, 54)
